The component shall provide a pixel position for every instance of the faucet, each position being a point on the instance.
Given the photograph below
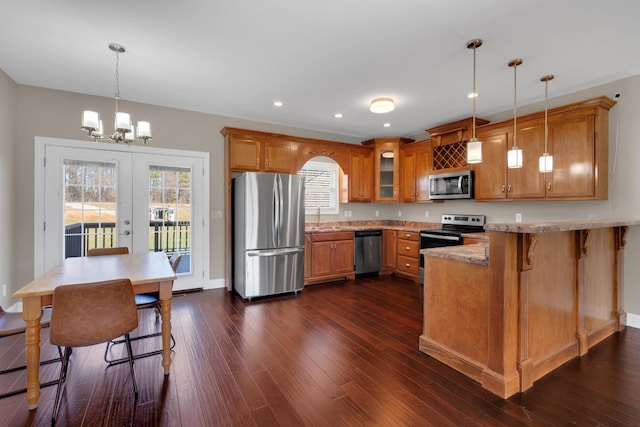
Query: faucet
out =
(318, 216)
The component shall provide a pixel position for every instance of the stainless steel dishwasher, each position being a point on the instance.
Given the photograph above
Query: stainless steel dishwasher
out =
(367, 255)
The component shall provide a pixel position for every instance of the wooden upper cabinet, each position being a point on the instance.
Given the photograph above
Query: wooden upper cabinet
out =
(245, 154)
(575, 158)
(577, 140)
(360, 176)
(415, 168)
(491, 174)
(278, 156)
(259, 151)
(386, 176)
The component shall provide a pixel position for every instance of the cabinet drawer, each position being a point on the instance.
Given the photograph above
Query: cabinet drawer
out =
(409, 235)
(332, 236)
(408, 265)
(408, 248)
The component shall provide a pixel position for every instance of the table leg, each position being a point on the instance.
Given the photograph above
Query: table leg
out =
(165, 301)
(31, 313)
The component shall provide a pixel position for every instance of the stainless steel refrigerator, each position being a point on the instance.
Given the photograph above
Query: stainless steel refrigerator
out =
(268, 234)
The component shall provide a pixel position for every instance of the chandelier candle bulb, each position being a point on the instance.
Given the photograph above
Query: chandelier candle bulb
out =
(144, 130)
(123, 121)
(90, 120)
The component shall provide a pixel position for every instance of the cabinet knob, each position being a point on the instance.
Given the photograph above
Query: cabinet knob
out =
(549, 187)
(502, 189)
(407, 248)
(407, 265)
(408, 235)
(509, 188)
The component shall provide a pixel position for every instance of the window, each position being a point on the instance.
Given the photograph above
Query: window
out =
(321, 186)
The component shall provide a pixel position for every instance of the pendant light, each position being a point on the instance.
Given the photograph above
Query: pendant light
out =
(474, 146)
(124, 130)
(514, 156)
(545, 164)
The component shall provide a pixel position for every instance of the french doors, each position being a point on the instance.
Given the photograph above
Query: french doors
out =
(104, 195)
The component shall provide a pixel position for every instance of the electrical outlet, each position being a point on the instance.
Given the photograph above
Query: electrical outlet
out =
(4, 290)
(377, 213)
(518, 217)
(426, 214)
(399, 213)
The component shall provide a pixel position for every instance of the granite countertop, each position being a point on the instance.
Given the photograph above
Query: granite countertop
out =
(555, 226)
(477, 253)
(327, 227)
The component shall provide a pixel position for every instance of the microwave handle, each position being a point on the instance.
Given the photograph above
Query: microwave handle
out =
(460, 183)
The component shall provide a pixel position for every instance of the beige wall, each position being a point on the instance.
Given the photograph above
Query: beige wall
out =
(57, 114)
(44, 112)
(8, 93)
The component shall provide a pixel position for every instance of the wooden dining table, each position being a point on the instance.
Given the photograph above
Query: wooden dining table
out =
(148, 272)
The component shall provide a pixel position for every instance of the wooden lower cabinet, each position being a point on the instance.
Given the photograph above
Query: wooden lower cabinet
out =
(389, 244)
(330, 257)
(307, 256)
(408, 255)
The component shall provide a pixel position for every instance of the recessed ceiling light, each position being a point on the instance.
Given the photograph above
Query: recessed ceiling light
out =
(472, 95)
(338, 115)
(387, 125)
(278, 103)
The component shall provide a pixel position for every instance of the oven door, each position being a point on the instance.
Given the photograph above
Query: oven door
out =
(436, 239)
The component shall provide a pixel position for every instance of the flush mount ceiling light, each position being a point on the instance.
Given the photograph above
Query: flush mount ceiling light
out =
(124, 130)
(545, 163)
(381, 105)
(474, 146)
(387, 154)
(514, 156)
(278, 103)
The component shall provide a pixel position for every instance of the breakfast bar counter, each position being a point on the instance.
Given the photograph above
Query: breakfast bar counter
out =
(507, 312)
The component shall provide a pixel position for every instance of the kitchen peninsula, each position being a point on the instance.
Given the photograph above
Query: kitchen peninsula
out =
(507, 312)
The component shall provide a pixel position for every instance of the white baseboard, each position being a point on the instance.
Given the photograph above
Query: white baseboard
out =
(633, 320)
(214, 284)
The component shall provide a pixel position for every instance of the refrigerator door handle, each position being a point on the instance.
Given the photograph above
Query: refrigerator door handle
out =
(280, 209)
(275, 252)
(276, 213)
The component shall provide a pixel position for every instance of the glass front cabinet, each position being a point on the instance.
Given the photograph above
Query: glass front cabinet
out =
(386, 168)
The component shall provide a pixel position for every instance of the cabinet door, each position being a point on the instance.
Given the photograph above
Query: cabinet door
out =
(408, 184)
(389, 249)
(422, 172)
(527, 182)
(308, 261)
(277, 157)
(361, 177)
(342, 257)
(572, 144)
(386, 179)
(491, 174)
(244, 154)
(322, 253)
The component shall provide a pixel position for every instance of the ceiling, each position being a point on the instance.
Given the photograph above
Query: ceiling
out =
(235, 57)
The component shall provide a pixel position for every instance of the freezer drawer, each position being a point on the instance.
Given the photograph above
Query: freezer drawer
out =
(270, 272)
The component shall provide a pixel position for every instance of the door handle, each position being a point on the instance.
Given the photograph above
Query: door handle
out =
(126, 232)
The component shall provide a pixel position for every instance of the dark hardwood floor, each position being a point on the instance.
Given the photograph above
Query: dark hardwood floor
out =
(340, 354)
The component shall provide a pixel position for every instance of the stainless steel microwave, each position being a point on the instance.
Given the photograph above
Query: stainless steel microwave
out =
(453, 185)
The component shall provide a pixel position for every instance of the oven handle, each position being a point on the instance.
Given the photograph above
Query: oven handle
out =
(440, 237)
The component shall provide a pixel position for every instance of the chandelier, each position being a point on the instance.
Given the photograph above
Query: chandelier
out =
(124, 130)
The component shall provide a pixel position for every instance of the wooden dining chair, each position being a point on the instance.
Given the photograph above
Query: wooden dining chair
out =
(11, 323)
(88, 314)
(145, 301)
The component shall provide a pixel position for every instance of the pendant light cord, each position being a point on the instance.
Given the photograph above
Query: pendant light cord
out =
(475, 95)
(546, 126)
(117, 94)
(515, 66)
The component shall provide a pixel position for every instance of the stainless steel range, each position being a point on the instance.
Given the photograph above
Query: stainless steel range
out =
(453, 227)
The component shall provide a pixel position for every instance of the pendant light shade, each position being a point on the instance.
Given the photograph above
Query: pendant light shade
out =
(545, 163)
(474, 146)
(514, 156)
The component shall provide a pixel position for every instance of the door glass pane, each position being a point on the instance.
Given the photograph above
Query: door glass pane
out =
(170, 212)
(89, 206)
